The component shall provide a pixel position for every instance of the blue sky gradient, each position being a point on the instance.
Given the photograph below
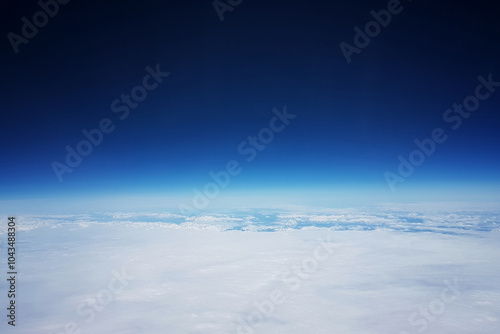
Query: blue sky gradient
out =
(225, 78)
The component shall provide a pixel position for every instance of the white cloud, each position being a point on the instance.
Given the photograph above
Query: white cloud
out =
(197, 275)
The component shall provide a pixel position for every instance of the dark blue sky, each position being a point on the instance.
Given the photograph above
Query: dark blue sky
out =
(353, 120)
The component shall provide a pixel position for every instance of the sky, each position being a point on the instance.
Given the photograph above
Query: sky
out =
(150, 142)
(214, 84)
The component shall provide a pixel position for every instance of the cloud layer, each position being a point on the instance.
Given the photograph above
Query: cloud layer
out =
(337, 271)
